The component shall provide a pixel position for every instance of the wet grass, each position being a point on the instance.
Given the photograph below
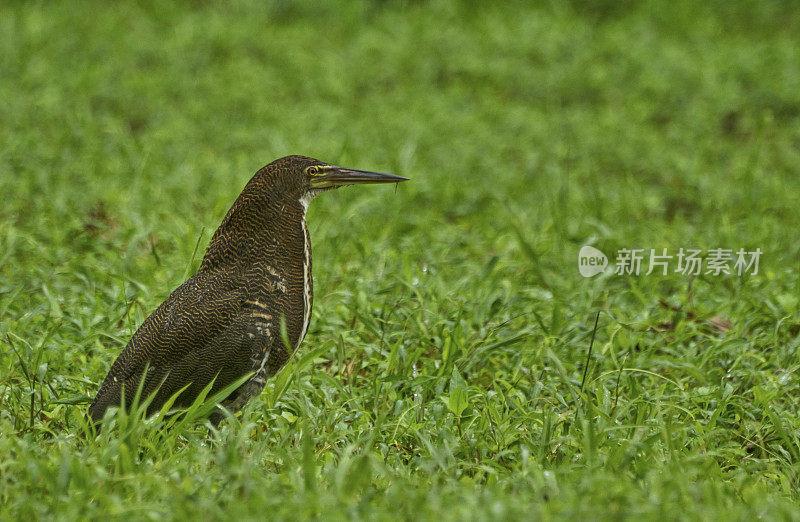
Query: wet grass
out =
(446, 373)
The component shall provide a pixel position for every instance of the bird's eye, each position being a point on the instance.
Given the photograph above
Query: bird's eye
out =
(313, 170)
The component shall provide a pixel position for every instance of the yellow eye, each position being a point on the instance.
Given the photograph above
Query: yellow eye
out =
(313, 170)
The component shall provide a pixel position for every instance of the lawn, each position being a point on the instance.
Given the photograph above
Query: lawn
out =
(452, 369)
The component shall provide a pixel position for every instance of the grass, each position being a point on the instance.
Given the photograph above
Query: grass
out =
(446, 373)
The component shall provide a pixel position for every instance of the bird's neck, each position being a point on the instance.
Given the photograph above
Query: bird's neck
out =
(257, 229)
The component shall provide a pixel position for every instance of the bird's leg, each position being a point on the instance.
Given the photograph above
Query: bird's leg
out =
(250, 389)
(258, 333)
(247, 391)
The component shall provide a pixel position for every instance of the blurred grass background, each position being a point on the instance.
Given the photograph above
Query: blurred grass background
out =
(529, 130)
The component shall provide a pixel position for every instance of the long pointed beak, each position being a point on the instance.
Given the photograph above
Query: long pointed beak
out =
(338, 176)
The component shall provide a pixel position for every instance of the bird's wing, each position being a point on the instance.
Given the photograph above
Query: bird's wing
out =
(204, 331)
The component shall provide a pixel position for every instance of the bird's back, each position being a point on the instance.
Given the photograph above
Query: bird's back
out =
(174, 343)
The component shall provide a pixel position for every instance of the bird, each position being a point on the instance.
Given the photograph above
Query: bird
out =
(247, 308)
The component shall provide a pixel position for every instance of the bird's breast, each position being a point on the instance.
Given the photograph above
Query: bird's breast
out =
(308, 284)
(281, 286)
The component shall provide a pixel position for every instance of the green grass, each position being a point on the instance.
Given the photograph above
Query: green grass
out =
(443, 373)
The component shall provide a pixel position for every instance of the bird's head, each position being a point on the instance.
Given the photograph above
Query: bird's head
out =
(303, 178)
(280, 190)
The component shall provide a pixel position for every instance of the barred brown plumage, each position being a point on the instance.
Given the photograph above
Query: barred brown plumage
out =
(225, 321)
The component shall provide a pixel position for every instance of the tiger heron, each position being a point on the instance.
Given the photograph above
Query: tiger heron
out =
(247, 308)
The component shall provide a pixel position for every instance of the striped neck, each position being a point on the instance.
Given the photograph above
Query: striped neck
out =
(308, 282)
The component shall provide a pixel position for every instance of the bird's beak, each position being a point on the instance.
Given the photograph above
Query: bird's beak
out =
(337, 176)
